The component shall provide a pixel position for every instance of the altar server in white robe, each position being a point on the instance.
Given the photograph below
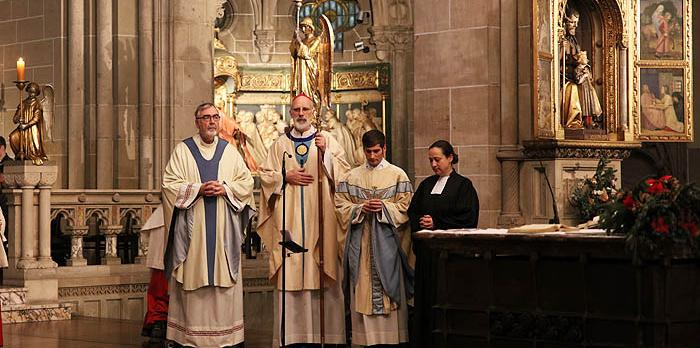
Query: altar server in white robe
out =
(208, 203)
(371, 203)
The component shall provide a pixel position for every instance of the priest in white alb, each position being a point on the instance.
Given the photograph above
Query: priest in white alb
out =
(208, 204)
(372, 202)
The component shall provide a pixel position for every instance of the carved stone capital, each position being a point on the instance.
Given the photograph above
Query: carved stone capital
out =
(111, 230)
(552, 149)
(390, 39)
(265, 42)
(48, 178)
(567, 152)
(19, 174)
(26, 180)
(78, 232)
(510, 153)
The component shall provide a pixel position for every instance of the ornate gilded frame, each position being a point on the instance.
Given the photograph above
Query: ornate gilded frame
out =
(614, 37)
(544, 109)
(356, 84)
(683, 64)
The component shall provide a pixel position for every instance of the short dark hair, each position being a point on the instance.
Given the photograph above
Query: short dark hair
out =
(2, 141)
(447, 149)
(373, 137)
(203, 106)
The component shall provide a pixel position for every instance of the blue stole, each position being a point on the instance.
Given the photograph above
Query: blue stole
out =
(208, 170)
(301, 153)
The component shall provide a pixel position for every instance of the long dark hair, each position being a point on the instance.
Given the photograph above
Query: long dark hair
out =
(447, 150)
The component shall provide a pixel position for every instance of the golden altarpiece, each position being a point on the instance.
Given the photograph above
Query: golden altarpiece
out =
(606, 76)
(257, 100)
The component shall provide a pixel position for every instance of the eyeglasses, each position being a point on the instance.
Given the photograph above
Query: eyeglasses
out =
(214, 117)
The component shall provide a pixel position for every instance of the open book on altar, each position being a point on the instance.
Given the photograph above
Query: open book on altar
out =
(542, 228)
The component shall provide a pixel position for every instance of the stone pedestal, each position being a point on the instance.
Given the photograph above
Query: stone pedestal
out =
(29, 230)
(565, 167)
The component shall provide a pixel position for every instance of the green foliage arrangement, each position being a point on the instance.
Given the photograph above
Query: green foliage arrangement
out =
(592, 195)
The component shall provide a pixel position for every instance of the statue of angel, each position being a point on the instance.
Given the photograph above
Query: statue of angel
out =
(311, 61)
(27, 140)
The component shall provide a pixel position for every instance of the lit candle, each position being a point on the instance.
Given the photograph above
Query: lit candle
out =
(20, 69)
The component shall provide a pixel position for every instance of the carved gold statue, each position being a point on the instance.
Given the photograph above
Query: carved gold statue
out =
(580, 105)
(27, 140)
(311, 61)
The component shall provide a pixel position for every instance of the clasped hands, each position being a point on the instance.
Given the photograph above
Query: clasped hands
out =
(373, 205)
(426, 222)
(212, 188)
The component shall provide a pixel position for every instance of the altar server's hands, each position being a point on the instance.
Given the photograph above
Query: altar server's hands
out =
(372, 206)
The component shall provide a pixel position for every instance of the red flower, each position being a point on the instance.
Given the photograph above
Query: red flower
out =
(629, 202)
(692, 228)
(659, 225)
(654, 186)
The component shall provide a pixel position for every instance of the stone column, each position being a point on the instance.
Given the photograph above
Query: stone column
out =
(509, 154)
(162, 68)
(146, 94)
(394, 45)
(110, 232)
(31, 230)
(28, 239)
(76, 94)
(76, 246)
(35, 231)
(45, 184)
(105, 100)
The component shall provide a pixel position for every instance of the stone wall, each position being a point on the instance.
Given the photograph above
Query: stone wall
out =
(457, 91)
(131, 72)
(240, 38)
(34, 30)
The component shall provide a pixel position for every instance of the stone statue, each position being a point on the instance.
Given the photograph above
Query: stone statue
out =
(311, 61)
(246, 123)
(27, 140)
(580, 104)
(267, 120)
(342, 134)
(360, 123)
(267, 130)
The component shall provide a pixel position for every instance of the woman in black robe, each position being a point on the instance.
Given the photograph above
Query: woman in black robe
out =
(445, 200)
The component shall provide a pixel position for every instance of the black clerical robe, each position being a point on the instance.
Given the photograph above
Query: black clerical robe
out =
(456, 207)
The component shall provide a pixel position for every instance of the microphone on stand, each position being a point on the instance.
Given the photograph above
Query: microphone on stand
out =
(285, 155)
(555, 218)
(285, 244)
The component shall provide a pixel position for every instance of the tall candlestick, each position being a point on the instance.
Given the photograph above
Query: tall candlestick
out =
(20, 69)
